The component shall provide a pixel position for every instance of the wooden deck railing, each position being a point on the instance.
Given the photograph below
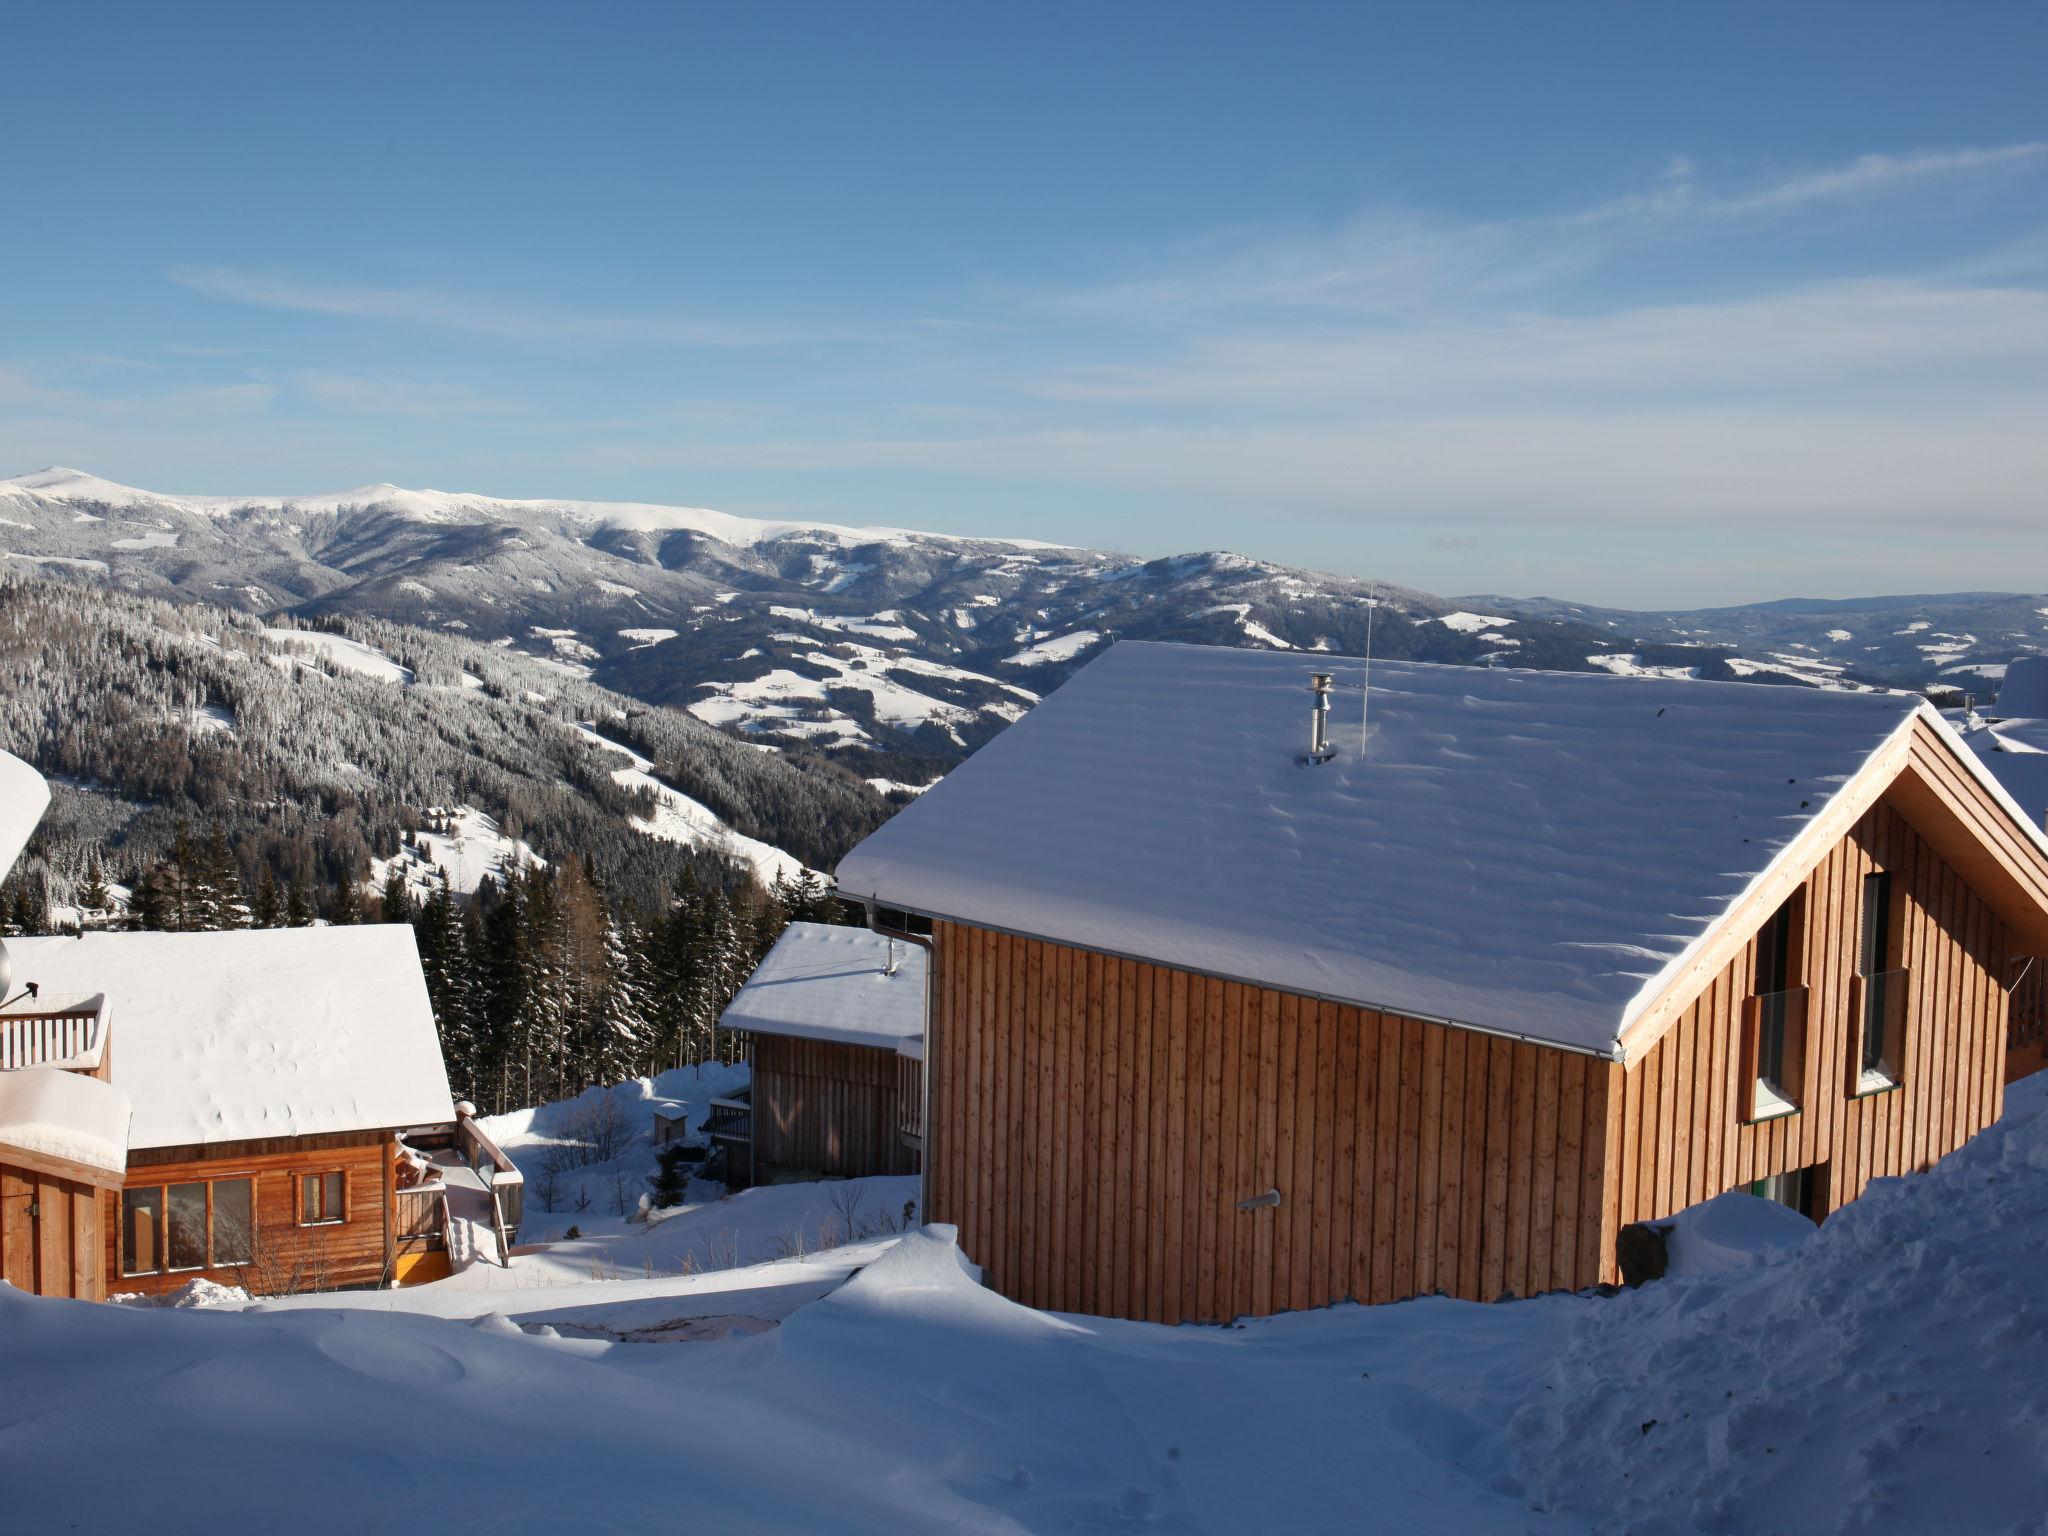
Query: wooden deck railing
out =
(731, 1120)
(73, 1038)
(501, 1177)
(420, 1215)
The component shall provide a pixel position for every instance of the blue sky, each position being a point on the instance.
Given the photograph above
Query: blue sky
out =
(1650, 306)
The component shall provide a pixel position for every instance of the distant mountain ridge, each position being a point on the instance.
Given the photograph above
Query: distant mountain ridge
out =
(893, 650)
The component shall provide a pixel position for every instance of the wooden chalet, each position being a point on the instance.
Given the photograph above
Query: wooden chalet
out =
(276, 1115)
(1253, 989)
(292, 1125)
(834, 1023)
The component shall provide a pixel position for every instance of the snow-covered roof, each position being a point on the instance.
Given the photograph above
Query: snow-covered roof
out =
(61, 1114)
(2024, 692)
(23, 797)
(252, 1033)
(825, 983)
(2015, 753)
(1523, 852)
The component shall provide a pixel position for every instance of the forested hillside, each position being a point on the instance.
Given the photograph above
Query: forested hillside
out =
(209, 772)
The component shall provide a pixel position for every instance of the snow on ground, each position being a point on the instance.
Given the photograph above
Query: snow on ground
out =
(1625, 664)
(1472, 623)
(679, 819)
(82, 565)
(1060, 648)
(643, 638)
(473, 849)
(1881, 1374)
(338, 650)
(1885, 1374)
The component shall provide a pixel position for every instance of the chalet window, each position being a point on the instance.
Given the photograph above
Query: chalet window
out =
(234, 1222)
(322, 1199)
(186, 1220)
(190, 1226)
(141, 1223)
(1774, 1019)
(1878, 994)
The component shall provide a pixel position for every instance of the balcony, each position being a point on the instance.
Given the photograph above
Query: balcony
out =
(67, 1034)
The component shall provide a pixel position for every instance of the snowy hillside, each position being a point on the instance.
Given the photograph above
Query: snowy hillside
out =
(1882, 1374)
(385, 745)
(896, 652)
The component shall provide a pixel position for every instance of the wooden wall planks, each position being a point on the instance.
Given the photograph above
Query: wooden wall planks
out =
(830, 1107)
(1096, 1121)
(1680, 1139)
(50, 1234)
(1171, 1097)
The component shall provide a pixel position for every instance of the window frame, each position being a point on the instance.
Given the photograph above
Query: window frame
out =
(1881, 1012)
(319, 1179)
(1778, 970)
(160, 1227)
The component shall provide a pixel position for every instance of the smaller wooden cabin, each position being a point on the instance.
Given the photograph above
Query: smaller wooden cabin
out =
(834, 1021)
(273, 1074)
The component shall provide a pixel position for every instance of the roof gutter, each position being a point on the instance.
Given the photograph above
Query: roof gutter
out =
(924, 1062)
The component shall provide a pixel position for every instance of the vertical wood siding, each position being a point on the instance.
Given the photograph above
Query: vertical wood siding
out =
(50, 1234)
(355, 1252)
(829, 1107)
(1096, 1122)
(1681, 1138)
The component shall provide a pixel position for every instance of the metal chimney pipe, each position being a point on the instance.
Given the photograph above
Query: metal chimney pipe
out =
(1319, 748)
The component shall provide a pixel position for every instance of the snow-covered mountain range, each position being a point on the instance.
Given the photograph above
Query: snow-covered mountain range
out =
(906, 645)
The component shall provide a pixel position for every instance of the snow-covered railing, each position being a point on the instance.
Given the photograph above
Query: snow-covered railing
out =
(72, 1038)
(500, 1175)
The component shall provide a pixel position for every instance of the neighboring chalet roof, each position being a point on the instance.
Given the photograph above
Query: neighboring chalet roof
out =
(1530, 853)
(2015, 752)
(62, 1115)
(2024, 692)
(825, 983)
(257, 1033)
(23, 796)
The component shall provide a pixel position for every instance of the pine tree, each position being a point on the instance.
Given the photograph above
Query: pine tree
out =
(215, 885)
(346, 906)
(396, 899)
(298, 905)
(94, 899)
(267, 910)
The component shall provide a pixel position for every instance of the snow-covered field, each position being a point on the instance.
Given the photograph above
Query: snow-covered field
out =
(679, 819)
(1884, 1373)
(472, 849)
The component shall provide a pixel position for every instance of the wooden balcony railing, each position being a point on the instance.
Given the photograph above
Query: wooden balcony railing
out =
(731, 1120)
(72, 1037)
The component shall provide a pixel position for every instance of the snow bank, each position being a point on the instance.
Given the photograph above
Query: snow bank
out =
(1890, 1372)
(1731, 1231)
(63, 1115)
(197, 1292)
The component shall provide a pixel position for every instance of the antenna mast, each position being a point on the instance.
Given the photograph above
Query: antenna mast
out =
(1372, 609)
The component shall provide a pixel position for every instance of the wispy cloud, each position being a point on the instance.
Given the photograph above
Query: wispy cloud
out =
(506, 321)
(1392, 258)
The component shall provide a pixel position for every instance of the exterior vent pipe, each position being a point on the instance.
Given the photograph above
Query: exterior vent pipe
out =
(1319, 748)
